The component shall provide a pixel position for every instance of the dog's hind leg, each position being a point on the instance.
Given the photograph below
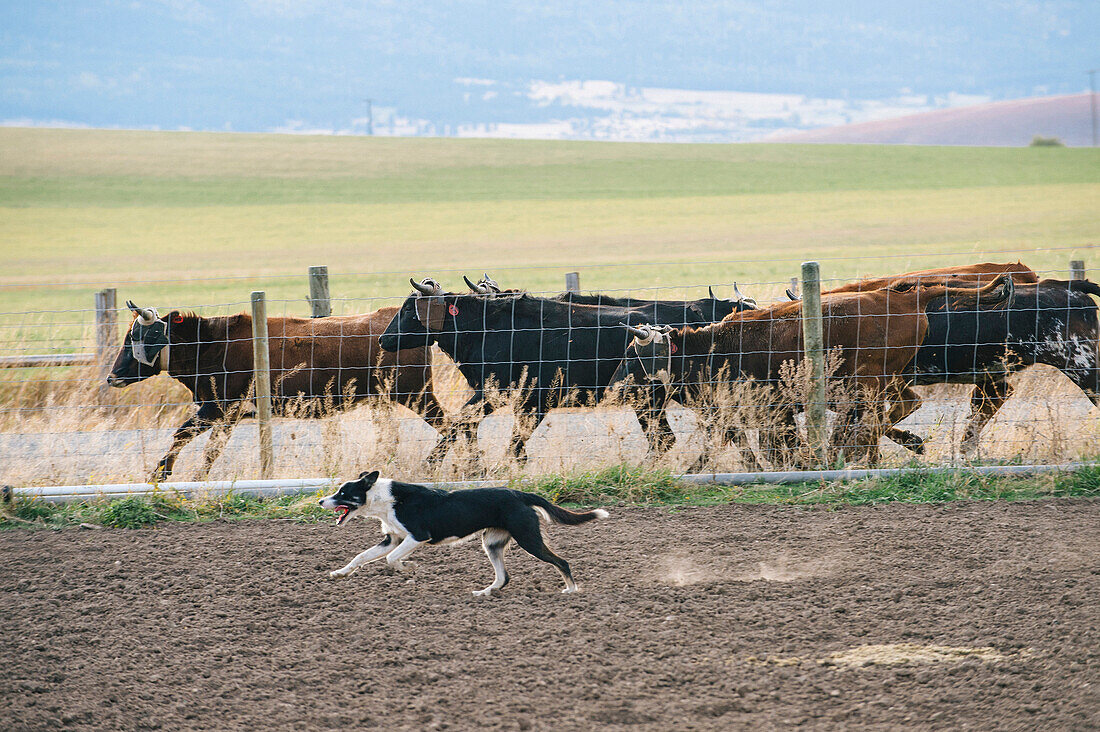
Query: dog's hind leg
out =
(375, 552)
(494, 542)
(527, 534)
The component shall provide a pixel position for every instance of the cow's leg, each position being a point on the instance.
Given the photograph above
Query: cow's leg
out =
(1088, 379)
(652, 413)
(850, 436)
(904, 401)
(219, 436)
(990, 394)
(207, 416)
(462, 424)
(425, 404)
(779, 440)
(520, 435)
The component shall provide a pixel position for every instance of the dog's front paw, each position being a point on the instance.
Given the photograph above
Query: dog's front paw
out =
(339, 573)
(487, 592)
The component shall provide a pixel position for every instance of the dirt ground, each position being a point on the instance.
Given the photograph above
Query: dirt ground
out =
(966, 615)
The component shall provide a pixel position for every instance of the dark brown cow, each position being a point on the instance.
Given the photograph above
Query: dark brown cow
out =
(315, 363)
(877, 333)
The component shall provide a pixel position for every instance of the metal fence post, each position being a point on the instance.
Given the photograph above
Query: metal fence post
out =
(319, 301)
(572, 281)
(261, 364)
(1077, 269)
(812, 335)
(106, 329)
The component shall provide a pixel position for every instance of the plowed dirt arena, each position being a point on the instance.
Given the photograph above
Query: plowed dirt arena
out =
(978, 615)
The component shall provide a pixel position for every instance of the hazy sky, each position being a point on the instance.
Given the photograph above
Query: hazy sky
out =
(616, 70)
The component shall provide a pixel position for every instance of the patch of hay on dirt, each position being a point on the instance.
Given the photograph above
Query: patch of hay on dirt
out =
(893, 654)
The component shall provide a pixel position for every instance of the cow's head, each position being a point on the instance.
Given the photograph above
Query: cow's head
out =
(422, 316)
(715, 308)
(485, 286)
(144, 351)
(648, 356)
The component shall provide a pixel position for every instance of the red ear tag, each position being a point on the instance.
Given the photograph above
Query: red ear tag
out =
(177, 319)
(452, 309)
(673, 345)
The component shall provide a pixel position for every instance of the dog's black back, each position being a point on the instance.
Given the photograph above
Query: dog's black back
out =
(434, 515)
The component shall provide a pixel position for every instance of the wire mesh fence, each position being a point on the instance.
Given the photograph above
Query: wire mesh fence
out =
(468, 379)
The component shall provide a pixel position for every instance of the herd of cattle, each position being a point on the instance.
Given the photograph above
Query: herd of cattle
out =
(974, 324)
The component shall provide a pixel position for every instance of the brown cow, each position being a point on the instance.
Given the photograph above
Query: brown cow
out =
(1050, 321)
(315, 363)
(958, 276)
(877, 334)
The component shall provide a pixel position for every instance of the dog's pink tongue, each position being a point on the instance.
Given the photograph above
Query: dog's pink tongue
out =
(341, 512)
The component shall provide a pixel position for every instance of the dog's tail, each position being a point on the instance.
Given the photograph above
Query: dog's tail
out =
(560, 515)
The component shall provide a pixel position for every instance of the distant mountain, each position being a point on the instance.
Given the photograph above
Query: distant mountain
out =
(1008, 123)
(708, 70)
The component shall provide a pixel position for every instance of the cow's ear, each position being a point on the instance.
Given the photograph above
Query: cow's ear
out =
(369, 478)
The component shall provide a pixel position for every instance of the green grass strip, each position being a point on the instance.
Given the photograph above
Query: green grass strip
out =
(621, 485)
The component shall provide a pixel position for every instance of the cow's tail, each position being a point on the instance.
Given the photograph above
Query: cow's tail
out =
(1086, 286)
(560, 515)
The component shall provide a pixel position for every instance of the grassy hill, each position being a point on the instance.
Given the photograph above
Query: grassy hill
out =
(198, 219)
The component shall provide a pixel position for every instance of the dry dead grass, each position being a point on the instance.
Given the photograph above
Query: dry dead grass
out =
(59, 426)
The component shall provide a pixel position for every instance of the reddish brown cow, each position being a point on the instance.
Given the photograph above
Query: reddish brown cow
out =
(877, 334)
(980, 273)
(315, 363)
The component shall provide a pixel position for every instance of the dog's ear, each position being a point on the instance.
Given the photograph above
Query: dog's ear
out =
(369, 478)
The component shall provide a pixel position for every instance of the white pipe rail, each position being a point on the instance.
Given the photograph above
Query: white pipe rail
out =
(56, 359)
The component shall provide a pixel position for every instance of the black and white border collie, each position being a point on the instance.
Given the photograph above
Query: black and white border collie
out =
(413, 515)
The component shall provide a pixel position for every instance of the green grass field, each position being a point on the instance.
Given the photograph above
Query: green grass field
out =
(197, 219)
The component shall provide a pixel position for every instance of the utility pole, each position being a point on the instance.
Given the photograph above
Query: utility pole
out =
(1092, 103)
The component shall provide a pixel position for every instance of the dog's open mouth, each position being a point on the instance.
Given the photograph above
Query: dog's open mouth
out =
(341, 514)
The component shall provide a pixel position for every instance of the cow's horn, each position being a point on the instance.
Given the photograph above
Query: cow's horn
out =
(737, 291)
(711, 291)
(146, 316)
(489, 282)
(424, 288)
(478, 288)
(641, 332)
(790, 294)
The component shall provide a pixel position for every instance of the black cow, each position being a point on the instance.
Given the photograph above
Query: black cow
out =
(1053, 322)
(676, 313)
(550, 350)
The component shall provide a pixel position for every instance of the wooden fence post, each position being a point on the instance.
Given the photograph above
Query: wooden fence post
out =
(1077, 269)
(813, 338)
(261, 365)
(319, 301)
(106, 331)
(572, 281)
